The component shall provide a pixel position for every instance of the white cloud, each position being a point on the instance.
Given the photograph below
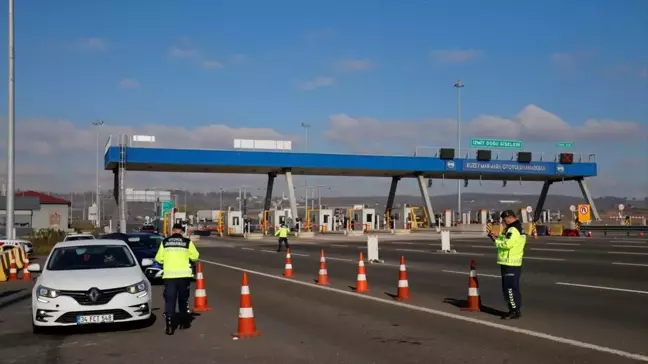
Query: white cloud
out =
(570, 58)
(455, 56)
(317, 82)
(127, 83)
(531, 124)
(355, 64)
(186, 51)
(91, 44)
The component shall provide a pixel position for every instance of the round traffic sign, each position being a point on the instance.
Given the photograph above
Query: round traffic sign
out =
(529, 209)
(621, 207)
(584, 210)
(572, 208)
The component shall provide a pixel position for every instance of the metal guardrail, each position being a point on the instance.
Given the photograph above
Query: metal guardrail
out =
(614, 228)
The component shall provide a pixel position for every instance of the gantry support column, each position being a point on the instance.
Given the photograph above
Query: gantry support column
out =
(291, 195)
(426, 200)
(390, 202)
(537, 214)
(588, 198)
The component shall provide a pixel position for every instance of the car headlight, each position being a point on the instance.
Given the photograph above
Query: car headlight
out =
(47, 292)
(137, 287)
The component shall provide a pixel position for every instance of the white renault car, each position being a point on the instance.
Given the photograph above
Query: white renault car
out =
(90, 282)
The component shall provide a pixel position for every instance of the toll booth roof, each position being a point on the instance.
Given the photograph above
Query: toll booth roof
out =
(265, 162)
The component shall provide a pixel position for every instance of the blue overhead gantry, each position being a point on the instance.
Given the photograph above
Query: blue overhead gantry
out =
(522, 166)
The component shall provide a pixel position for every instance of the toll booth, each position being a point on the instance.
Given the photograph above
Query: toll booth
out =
(361, 219)
(447, 218)
(483, 217)
(325, 220)
(281, 216)
(235, 223)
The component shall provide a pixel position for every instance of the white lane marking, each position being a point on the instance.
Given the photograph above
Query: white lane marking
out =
(628, 253)
(630, 240)
(299, 254)
(601, 287)
(340, 245)
(269, 251)
(631, 246)
(467, 273)
(565, 244)
(413, 250)
(402, 243)
(483, 246)
(553, 250)
(340, 259)
(543, 258)
(247, 249)
(536, 334)
(631, 264)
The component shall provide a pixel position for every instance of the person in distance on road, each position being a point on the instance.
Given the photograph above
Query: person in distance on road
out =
(282, 233)
(510, 251)
(176, 254)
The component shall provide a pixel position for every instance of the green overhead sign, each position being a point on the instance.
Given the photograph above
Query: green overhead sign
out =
(496, 143)
(565, 144)
(166, 207)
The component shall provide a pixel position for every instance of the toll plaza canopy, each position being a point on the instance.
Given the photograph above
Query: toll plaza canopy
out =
(269, 162)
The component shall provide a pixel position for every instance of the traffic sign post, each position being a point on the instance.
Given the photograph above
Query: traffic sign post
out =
(166, 207)
(565, 144)
(496, 143)
(584, 214)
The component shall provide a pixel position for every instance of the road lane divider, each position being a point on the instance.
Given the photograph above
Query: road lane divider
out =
(565, 244)
(458, 317)
(467, 273)
(631, 246)
(630, 264)
(628, 253)
(601, 287)
(547, 259)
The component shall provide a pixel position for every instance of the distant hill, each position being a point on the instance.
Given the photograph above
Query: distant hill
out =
(471, 201)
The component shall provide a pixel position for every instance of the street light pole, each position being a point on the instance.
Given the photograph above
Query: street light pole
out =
(458, 85)
(11, 135)
(221, 199)
(306, 126)
(98, 124)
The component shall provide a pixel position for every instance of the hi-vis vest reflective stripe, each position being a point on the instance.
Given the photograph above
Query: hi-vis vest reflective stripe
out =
(283, 232)
(510, 246)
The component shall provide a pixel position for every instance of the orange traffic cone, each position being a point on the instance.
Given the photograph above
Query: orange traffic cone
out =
(246, 325)
(361, 282)
(589, 234)
(288, 272)
(200, 299)
(13, 271)
(323, 280)
(26, 274)
(535, 234)
(403, 284)
(473, 290)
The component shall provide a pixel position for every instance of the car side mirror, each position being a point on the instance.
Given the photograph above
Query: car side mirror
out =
(146, 262)
(34, 268)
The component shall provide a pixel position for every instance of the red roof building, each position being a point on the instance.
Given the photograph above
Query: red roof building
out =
(44, 199)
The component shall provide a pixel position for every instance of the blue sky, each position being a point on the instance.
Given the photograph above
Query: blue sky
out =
(274, 64)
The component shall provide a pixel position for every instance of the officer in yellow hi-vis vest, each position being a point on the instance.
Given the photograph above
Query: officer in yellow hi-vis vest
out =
(175, 254)
(510, 251)
(282, 233)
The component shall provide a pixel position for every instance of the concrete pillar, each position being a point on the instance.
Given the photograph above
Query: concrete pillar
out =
(426, 199)
(291, 195)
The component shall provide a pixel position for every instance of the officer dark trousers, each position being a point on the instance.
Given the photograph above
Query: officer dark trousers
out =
(285, 241)
(511, 287)
(176, 290)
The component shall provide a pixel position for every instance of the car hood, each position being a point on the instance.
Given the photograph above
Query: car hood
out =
(83, 280)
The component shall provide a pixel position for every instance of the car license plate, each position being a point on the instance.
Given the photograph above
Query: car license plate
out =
(94, 319)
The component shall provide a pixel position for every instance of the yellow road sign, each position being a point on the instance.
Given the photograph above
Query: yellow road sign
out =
(584, 213)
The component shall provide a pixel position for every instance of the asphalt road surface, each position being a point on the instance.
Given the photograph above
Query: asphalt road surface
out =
(583, 303)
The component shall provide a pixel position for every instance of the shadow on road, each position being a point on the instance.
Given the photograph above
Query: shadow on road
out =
(462, 303)
(14, 296)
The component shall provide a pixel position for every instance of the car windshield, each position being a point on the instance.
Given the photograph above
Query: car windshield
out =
(144, 241)
(90, 257)
(148, 227)
(79, 237)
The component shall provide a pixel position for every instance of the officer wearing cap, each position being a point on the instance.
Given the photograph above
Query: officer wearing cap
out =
(175, 254)
(510, 251)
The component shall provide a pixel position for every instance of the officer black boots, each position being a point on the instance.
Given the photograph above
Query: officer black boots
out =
(170, 329)
(512, 315)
